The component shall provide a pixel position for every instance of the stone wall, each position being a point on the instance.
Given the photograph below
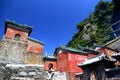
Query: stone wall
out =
(21, 72)
(26, 72)
(13, 51)
(34, 58)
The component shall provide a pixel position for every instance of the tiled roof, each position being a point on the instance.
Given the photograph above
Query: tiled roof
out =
(22, 27)
(69, 49)
(92, 60)
(53, 58)
(72, 49)
(89, 50)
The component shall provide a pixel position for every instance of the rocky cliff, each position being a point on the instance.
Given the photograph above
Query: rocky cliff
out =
(96, 27)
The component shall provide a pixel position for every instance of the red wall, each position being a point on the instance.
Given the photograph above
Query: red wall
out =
(68, 61)
(35, 47)
(73, 60)
(62, 62)
(10, 33)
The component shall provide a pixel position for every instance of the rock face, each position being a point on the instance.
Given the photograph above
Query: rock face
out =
(95, 28)
(88, 28)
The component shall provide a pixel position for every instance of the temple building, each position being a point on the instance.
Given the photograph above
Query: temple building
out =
(65, 60)
(17, 47)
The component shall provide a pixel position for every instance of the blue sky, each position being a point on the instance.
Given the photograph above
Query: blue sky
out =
(54, 21)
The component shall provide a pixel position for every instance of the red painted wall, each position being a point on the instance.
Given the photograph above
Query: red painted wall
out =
(62, 62)
(10, 33)
(73, 60)
(47, 63)
(68, 61)
(35, 47)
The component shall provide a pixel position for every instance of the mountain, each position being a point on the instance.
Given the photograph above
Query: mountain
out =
(94, 28)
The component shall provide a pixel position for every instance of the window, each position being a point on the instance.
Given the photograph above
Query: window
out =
(17, 37)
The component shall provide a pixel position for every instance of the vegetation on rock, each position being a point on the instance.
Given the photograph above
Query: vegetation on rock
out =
(96, 27)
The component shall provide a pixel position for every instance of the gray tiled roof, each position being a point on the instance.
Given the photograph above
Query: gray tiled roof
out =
(22, 27)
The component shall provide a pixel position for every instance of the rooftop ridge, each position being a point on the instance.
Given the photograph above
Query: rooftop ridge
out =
(87, 49)
(14, 23)
(69, 49)
(22, 27)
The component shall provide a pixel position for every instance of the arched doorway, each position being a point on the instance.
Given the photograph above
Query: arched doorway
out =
(50, 67)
